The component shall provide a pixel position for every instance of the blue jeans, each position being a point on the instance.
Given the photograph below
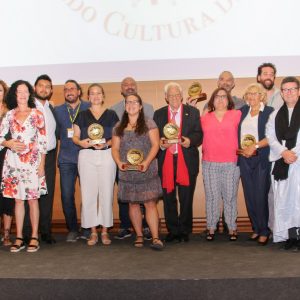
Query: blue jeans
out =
(68, 175)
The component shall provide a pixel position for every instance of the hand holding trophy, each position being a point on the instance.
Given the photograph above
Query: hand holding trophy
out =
(195, 94)
(248, 140)
(171, 133)
(95, 133)
(134, 157)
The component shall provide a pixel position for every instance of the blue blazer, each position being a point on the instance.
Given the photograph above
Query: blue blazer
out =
(263, 118)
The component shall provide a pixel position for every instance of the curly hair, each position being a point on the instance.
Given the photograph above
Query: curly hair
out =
(141, 126)
(257, 87)
(11, 97)
(210, 104)
(5, 88)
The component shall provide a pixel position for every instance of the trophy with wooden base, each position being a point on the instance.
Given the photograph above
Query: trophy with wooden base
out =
(246, 141)
(171, 133)
(195, 94)
(134, 157)
(95, 132)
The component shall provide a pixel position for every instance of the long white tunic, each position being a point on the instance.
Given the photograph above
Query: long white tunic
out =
(285, 212)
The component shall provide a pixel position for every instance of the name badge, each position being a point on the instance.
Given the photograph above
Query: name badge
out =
(70, 132)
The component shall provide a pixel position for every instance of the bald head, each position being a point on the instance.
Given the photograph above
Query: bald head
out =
(128, 86)
(226, 81)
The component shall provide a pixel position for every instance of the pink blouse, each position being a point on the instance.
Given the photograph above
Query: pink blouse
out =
(220, 139)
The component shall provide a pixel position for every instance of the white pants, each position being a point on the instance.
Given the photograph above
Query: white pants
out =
(97, 172)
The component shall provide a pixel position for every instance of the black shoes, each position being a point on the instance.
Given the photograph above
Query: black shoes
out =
(185, 237)
(48, 239)
(290, 244)
(177, 237)
(172, 237)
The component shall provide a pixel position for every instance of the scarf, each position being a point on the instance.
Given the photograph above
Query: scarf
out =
(286, 132)
(182, 175)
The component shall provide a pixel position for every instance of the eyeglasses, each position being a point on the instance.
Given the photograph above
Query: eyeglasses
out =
(70, 89)
(220, 97)
(253, 94)
(176, 96)
(133, 102)
(290, 90)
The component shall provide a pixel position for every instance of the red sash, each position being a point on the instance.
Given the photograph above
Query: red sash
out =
(182, 175)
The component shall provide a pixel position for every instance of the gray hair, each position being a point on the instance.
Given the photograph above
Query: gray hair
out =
(171, 85)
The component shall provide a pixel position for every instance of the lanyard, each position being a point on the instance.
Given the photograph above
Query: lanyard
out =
(76, 113)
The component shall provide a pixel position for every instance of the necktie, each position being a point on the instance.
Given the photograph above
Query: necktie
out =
(173, 148)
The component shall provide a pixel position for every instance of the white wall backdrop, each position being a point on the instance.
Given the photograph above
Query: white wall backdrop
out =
(94, 40)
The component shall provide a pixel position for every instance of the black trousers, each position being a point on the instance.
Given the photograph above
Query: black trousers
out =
(45, 201)
(256, 184)
(179, 223)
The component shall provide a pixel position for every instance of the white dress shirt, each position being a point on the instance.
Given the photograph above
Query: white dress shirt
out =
(50, 123)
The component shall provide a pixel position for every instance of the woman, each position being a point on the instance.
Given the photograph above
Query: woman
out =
(136, 187)
(253, 160)
(6, 204)
(219, 161)
(97, 170)
(23, 176)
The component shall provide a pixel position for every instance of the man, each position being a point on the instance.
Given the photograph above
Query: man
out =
(283, 135)
(227, 82)
(266, 74)
(43, 93)
(178, 163)
(68, 153)
(129, 86)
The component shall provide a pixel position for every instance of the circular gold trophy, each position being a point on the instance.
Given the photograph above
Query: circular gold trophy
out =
(134, 157)
(195, 93)
(95, 132)
(246, 141)
(171, 132)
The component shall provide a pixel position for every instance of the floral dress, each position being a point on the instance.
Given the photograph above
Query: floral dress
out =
(20, 170)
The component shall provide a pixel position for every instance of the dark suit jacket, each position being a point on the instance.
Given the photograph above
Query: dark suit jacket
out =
(191, 128)
(263, 118)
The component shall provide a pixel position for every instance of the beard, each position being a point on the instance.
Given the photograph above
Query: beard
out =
(72, 100)
(43, 98)
(267, 84)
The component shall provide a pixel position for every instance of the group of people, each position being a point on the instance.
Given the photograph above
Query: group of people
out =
(240, 138)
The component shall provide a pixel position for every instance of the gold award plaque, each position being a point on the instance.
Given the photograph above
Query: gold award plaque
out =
(171, 132)
(195, 92)
(135, 157)
(246, 141)
(95, 132)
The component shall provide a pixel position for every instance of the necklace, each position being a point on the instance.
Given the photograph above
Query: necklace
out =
(132, 125)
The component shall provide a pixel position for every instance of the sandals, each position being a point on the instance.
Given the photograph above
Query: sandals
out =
(139, 242)
(210, 236)
(233, 236)
(106, 241)
(93, 240)
(254, 237)
(263, 240)
(157, 244)
(33, 247)
(17, 247)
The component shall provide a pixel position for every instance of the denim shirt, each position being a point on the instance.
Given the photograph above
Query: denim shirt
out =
(68, 152)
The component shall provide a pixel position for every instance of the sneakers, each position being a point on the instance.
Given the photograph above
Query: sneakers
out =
(147, 234)
(123, 234)
(84, 234)
(72, 236)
